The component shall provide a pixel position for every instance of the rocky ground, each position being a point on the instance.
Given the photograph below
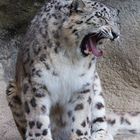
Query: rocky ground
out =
(119, 69)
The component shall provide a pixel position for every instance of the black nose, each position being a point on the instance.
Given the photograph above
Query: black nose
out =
(115, 35)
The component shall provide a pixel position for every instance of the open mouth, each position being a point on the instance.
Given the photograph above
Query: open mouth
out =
(89, 44)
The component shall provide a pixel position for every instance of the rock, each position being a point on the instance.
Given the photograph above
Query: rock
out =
(15, 14)
(120, 68)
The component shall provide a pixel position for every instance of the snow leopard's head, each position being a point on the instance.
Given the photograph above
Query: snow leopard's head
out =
(85, 24)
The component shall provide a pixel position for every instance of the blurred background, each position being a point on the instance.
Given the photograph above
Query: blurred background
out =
(119, 69)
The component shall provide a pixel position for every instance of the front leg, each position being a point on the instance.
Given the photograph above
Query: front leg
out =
(80, 115)
(99, 124)
(36, 101)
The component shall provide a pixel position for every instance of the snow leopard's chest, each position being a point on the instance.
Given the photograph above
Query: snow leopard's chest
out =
(65, 80)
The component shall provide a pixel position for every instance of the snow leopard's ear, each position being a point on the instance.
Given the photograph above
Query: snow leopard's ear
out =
(77, 6)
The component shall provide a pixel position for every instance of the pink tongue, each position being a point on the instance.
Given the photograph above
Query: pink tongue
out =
(92, 47)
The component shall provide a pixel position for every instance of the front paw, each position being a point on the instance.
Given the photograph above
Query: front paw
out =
(102, 135)
(39, 138)
(75, 137)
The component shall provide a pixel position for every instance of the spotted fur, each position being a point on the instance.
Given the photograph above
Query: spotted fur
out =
(57, 92)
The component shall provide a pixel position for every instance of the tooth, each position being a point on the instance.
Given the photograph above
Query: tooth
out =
(86, 51)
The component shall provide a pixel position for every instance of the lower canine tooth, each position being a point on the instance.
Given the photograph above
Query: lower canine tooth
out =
(86, 51)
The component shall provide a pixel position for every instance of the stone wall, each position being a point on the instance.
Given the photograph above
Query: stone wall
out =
(119, 69)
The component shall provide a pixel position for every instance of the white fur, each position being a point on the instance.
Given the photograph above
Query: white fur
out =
(68, 80)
